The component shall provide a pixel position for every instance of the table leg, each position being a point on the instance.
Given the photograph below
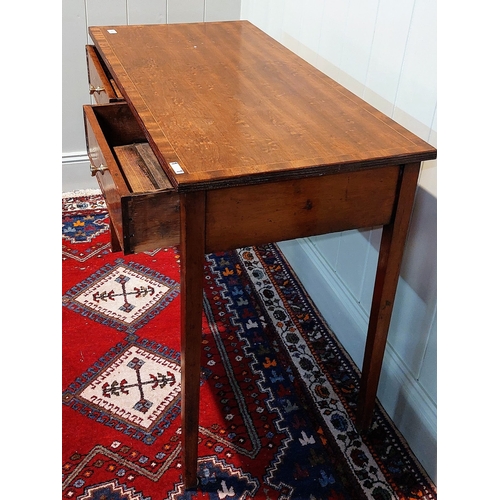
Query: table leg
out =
(386, 281)
(192, 261)
(115, 242)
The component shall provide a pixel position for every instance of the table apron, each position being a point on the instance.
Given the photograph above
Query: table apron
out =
(257, 214)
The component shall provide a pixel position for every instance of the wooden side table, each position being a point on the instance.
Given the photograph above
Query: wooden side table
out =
(214, 136)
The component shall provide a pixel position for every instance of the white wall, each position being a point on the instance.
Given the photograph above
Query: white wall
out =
(77, 16)
(385, 52)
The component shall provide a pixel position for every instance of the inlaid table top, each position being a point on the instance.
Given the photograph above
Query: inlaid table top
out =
(225, 104)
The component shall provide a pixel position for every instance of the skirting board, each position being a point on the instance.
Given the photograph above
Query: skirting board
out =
(410, 408)
(76, 172)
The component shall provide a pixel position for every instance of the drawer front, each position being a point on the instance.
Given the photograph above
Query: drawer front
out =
(153, 221)
(101, 86)
(143, 216)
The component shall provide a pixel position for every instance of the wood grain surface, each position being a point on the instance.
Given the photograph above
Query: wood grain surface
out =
(232, 106)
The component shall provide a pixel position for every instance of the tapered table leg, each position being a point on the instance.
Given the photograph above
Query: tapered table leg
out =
(192, 260)
(386, 281)
(115, 242)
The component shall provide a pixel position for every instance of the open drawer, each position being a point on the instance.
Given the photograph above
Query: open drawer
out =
(101, 84)
(143, 206)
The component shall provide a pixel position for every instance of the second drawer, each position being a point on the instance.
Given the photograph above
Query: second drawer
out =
(101, 86)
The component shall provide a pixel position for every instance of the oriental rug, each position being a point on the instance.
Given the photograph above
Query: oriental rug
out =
(278, 392)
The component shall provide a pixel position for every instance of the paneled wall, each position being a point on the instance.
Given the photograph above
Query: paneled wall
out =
(77, 16)
(385, 52)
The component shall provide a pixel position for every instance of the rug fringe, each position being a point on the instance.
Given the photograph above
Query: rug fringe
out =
(81, 192)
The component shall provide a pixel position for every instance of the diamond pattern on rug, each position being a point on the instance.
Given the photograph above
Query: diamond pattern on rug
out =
(219, 480)
(126, 463)
(139, 386)
(86, 253)
(111, 490)
(124, 296)
(133, 388)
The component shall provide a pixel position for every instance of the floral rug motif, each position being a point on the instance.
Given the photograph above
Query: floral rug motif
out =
(278, 392)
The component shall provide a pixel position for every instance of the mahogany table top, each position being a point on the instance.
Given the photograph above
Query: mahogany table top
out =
(224, 104)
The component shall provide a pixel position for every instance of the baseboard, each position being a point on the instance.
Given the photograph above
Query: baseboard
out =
(404, 400)
(76, 172)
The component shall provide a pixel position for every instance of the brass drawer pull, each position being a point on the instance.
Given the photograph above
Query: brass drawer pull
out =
(101, 168)
(93, 89)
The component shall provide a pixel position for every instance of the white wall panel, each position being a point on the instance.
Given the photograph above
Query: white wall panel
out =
(417, 290)
(374, 236)
(356, 47)
(222, 10)
(311, 17)
(75, 89)
(417, 93)
(428, 177)
(427, 374)
(292, 21)
(419, 266)
(387, 53)
(333, 34)
(152, 12)
(384, 51)
(268, 15)
(274, 20)
(328, 245)
(351, 262)
(106, 12)
(432, 135)
(185, 11)
(259, 13)
(248, 9)
(409, 316)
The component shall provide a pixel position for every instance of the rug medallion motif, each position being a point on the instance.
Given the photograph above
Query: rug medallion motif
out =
(122, 295)
(138, 388)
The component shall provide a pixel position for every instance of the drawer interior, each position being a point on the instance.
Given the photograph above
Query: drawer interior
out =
(140, 168)
(138, 164)
(118, 124)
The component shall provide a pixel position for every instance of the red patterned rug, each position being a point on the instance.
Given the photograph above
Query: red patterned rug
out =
(278, 392)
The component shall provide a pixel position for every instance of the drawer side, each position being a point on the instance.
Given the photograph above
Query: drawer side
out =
(110, 180)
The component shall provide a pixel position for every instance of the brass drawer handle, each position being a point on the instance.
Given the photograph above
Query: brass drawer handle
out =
(95, 89)
(101, 168)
